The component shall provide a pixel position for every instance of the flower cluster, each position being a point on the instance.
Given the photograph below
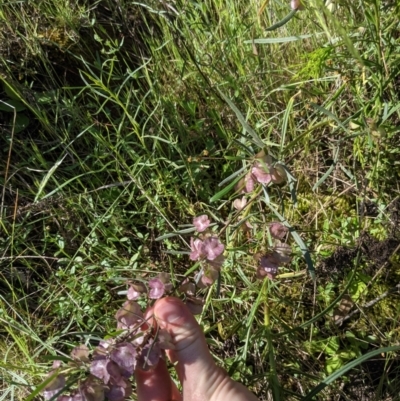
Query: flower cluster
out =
(208, 250)
(159, 285)
(279, 255)
(265, 170)
(111, 364)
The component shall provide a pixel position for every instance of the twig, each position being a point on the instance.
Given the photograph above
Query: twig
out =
(368, 304)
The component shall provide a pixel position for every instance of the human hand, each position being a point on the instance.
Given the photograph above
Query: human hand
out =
(201, 378)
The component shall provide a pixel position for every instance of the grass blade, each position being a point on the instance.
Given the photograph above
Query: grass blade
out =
(330, 169)
(286, 39)
(225, 190)
(256, 139)
(175, 233)
(232, 176)
(285, 121)
(346, 368)
(47, 177)
(283, 21)
(331, 115)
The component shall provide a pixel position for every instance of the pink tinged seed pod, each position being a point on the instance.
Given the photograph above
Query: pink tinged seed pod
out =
(54, 387)
(296, 5)
(73, 397)
(240, 186)
(282, 252)
(166, 279)
(278, 174)
(92, 390)
(129, 316)
(119, 392)
(278, 230)
(80, 353)
(249, 182)
(217, 262)
(140, 338)
(187, 288)
(196, 246)
(156, 288)
(124, 355)
(102, 350)
(239, 204)
(105, 370)
(135, 290)
(262, 273)
(150, 355)
(201, 223)
(268, 267)
(195, 305)
(105, 343)
(212, 248)
(262, 173)
(205, 281)
(209, 276)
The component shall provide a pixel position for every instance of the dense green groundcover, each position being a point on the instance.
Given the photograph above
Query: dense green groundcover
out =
(121, 121)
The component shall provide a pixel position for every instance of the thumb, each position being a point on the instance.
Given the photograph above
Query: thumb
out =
(199, 375)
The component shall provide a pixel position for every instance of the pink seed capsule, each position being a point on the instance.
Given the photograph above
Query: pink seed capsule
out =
(296, 5)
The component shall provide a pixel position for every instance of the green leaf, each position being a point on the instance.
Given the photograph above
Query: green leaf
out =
(329, 346)
(47, 177)
(278, 40)
(9, 90)
(46, 97)
(256, 139)
(285, 122)
(225, 190)
(11, 105)
(282, 21)
(330, 115)
(232, 176)
(333, 363)
(21, 122)
(175, 233)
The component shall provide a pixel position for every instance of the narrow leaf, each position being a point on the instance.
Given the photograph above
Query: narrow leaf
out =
(285, 121)
(331, 115)
(225, 190)
(47, 177)
(177, 252)
(21, 122)
(231, 177)
(346, 368)
(175, 233)
(330, 169)
(282, 21)
(256, 139)
(11, 105)
(278, 40)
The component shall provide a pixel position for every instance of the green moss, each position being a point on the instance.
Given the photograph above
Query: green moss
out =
(313, 63)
